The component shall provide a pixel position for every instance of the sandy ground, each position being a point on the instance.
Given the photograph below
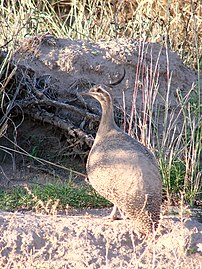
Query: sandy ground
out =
(86, 239)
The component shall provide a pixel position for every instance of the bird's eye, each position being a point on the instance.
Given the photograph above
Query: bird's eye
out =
(99, 90)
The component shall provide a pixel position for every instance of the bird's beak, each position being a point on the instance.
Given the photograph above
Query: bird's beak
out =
(85, 93)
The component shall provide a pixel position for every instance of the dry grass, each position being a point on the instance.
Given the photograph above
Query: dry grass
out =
(176, 24)
(173, 133)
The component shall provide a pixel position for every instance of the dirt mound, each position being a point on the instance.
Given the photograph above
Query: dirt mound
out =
(52, 72)
(72, 62)
(59, 69)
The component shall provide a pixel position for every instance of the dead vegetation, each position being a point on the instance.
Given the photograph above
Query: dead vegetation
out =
(174, 23)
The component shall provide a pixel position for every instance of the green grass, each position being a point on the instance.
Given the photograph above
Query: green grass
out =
(47, 196)
(182, 165)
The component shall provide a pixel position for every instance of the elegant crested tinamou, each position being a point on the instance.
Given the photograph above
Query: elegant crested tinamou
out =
(123, 170)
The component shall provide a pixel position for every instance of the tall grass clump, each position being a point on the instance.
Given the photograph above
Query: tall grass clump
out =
(176, 22)
(21, 19)
(177, 143)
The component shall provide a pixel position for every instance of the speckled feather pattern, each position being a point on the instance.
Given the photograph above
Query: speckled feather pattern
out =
(124, 171)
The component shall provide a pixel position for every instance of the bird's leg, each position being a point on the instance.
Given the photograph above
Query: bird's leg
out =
(123, 216)
(113, 215)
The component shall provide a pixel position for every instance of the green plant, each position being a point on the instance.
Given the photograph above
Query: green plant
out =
(44, 197)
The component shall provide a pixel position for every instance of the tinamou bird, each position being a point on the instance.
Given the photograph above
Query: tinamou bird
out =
(123, 170)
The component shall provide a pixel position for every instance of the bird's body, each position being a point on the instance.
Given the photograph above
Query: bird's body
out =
(123, 170)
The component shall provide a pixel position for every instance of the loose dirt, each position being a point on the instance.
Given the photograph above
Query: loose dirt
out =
(86, 239)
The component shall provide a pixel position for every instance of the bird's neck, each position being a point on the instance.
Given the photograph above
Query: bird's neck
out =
(107, 122)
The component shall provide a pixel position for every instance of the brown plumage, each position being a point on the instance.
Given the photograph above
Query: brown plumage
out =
(123, 170)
